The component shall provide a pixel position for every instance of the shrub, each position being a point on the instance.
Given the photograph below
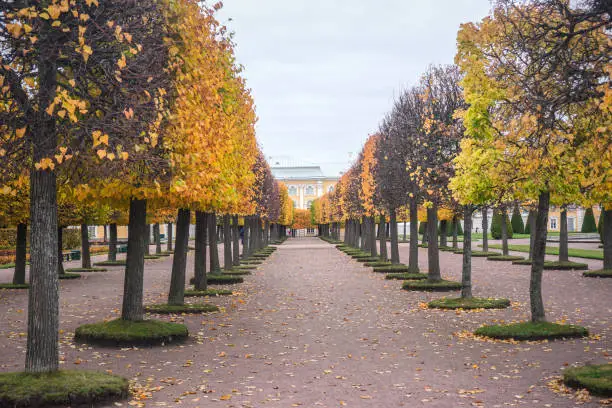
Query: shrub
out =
(517, 221)
(528, 224)
(124, 332)
(431, 286)
(532, 331)
(597, 379)
(184, 308)
(469, 303)
(588, 223)
(600, 273)
(496, 225)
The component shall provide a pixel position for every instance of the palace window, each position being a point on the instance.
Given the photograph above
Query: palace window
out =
(292, 190)
(330, 189)
(310, 190)
(553, 223)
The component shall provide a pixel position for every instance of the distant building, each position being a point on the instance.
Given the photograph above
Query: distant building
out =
(306, 181)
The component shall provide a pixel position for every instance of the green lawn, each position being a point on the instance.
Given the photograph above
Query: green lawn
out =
(574, 252)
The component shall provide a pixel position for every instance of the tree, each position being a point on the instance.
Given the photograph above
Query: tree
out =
(588, 222)
(496, 225)
(517, 223)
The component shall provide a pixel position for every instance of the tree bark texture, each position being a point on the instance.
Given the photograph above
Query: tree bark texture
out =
(133, 285)
(170, 237)
(245, 238)
(425, 239)
(373, 249)
(157, 238)
(148, 240)
(236, 243)
(227, 243)
(485, 229)
(537, 264)
(433, 256)
(60, 251)
(383, 239)
(504, 232)
(455, 232)
(199, 262)
(212, 244)
(20, 254)
(443, 233)
(85, 254)
(413, 261)
(395, 259)
(607, 238)
(112, 242)
(466, 266)
(563, 238)
(532, 227)
(176, 295)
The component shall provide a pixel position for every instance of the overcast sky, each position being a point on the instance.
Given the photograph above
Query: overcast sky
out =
(324, 72)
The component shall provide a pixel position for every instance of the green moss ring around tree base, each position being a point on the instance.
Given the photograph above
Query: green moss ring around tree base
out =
(223, 279)
(565, 266)
(378, 264)
(597, 379)
(406, 276)
(69, 276)
(111, 263)
(86, 270)
(208, 292)
(469, 303)
(483, 254)
(248, 262)
(122, 332)
(431, 286)
(600, 273)
(368, 259)
(397, 268)
(152, 256)
(14, 286)
(185, 308)
(532, 331)
(62, 388)
(499, 258)
(237, 272)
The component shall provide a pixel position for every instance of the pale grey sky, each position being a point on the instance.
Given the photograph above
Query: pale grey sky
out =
(323, 73)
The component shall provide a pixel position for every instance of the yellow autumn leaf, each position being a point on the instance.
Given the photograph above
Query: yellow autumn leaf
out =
(225, 397)
(101, 153)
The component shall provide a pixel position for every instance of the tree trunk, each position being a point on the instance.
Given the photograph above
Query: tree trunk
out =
(236, 239)
(373, 249)
(537, 264)
(199, 263)
(504, 232)
(148, 240)
(20, 254)
(383, 239)
(563, 238)
(455, 232)
(42, 350)
(532, 227)
(425, 233)
(413, 261)
(170, 237)
(245, 238)
(466, 268)
(112, 242)
(212, 244)
(395, 259)
(133, 286)
(405, 231)
(157, 238)
(366, 234)
(443, 233)
(433, 256)
(485, 229)
(176, 295)
(105, 235)
(227, 243)
(362, 234)
(607, 238)
(60, 251)
(85, 254)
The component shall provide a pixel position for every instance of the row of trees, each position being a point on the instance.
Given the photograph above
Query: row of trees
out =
(524, 115)
(123, 112)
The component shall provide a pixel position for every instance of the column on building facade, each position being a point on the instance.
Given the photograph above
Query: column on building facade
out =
(301, 188)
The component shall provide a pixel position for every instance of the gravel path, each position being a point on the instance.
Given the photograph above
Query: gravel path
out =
(311, 327)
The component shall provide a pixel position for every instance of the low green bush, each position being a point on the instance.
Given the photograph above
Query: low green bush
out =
(469, 303)
(431, 286)
(184, 308)
(219, 279)
(377, 264)
(62, 388)
(208, 292)
(600, 273)
(483, 254)
(597, 379)
(406, 276)
(111, 263)
(392, 268)
(504, 258)
(14, 286)
(565, 265)
(123, 332)
(86, 270)
(532, 331)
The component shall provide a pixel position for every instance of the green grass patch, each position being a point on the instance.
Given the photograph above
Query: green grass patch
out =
(522, 262)
(237, 272)
(447, 249)
(14, 286)
(600, 273)
(121, 262)
(184, 308)
(69, 276)
(406, 276)
(245, 267)
(484, 254)
(208, 292)
(532, 331)
(565, 265)
(62, 388)
(501, 258)
(573, 252)
(86, 270)
(469, 303)
(250, 262)
(431, 286)
(377, 264)
(219, 279)
(597, 379)
(123, 332)
(368, 259)
(397, 268)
